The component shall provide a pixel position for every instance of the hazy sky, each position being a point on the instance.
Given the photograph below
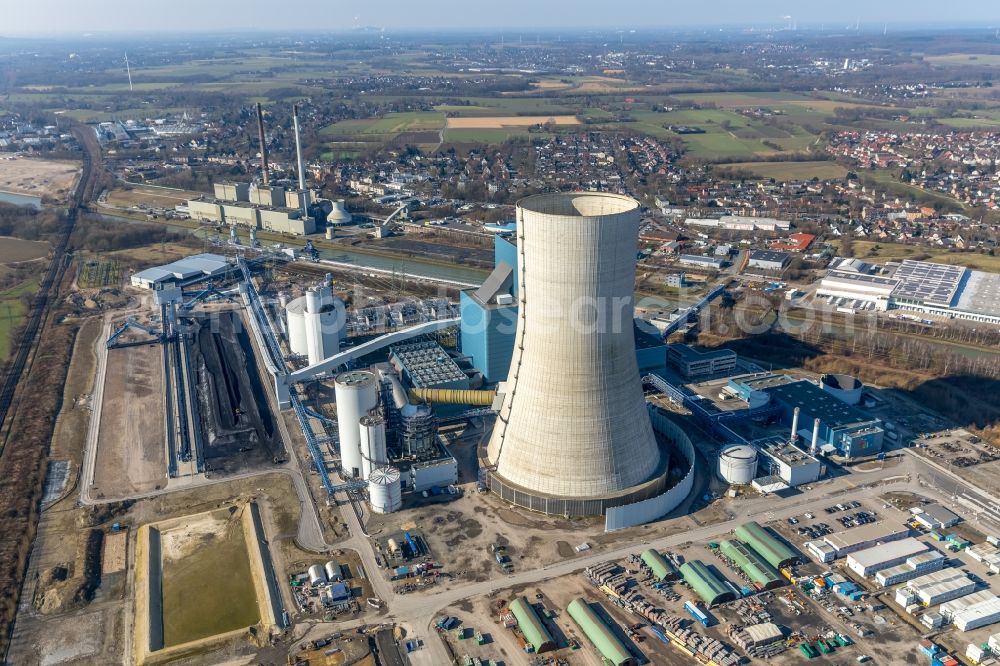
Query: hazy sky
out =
(77, 16)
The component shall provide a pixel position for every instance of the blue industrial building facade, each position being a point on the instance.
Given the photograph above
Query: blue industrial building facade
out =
(487, 335)
(848, 430)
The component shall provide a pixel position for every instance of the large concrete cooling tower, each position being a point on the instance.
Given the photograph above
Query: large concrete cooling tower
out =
(573, 435)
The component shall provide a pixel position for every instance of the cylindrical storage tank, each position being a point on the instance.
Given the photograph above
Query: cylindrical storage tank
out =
(317, 575)
(295, 312)
(759, 399)
(333, 571)
(574, 424)
(738, 464)
(844, 387)
(372, 441)
(357, 394)
(384, 492)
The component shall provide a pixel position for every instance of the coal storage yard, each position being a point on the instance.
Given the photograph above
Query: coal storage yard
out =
(236, 419)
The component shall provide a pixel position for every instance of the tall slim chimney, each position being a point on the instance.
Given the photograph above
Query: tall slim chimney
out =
(795, 426)
(302, 165)
(814, 448)
(265, 171)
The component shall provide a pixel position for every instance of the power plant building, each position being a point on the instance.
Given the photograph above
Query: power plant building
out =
(696, 364)
(573, 435)
(489, 315)
(789, 462)
(844, 429)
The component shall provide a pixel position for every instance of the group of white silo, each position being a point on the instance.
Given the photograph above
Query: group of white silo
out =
(361, 430)
(316, 323)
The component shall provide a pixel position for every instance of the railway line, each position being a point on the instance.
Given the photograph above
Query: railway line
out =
(49, 284)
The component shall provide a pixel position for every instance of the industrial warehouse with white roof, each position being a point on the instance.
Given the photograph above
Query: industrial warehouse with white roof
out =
(922, 286)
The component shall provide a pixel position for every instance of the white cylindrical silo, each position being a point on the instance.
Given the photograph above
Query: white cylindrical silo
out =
(357, 394)
(317, 575)
(574, 424)
(295, 312)
(738, 464)
(384, 491)
(371, 430)
(325, 318)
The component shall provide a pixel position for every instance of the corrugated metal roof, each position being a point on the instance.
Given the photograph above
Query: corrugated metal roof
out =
(530, 625)
(599, 633)
(774, 552)
(756, 569)
(706, 584)
(661, 567)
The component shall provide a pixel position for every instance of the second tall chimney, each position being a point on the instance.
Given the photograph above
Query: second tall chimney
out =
(265, 170)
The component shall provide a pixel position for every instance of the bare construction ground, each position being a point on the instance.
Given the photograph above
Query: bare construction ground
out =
(25, 175)
(130, 449)
(151, 197)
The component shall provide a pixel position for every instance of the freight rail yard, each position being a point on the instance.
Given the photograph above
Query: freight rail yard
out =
(333, 466)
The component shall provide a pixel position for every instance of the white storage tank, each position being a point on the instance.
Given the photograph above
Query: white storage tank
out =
(357, 394)
(333, 572)
(295, 313)
(317, 575)
(371, 430)
(738, 464)
(384, 492)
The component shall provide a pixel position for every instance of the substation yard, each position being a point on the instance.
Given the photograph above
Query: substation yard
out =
(240, 431)
(131, 457)
(200, 581)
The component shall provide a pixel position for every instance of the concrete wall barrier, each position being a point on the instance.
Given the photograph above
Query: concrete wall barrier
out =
(638, 513)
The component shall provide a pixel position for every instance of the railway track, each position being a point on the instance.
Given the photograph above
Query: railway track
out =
(50, 282)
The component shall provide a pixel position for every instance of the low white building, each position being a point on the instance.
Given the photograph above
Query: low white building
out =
(849, 286)
(870, 561)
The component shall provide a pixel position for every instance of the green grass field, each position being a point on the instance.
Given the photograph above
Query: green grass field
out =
(386, 128)
(882, 252)
(791, 170)
(12, 312)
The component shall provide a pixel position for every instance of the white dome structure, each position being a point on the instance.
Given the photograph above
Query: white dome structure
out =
(573, 436)
(738, 464)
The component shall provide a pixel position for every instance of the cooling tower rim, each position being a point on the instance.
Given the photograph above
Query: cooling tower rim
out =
(651, 487)
(570, 205)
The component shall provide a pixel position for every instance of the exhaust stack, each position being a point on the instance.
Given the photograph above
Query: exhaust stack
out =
(302, 166)
(814, 448)
(265, 170)
(794, 437)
